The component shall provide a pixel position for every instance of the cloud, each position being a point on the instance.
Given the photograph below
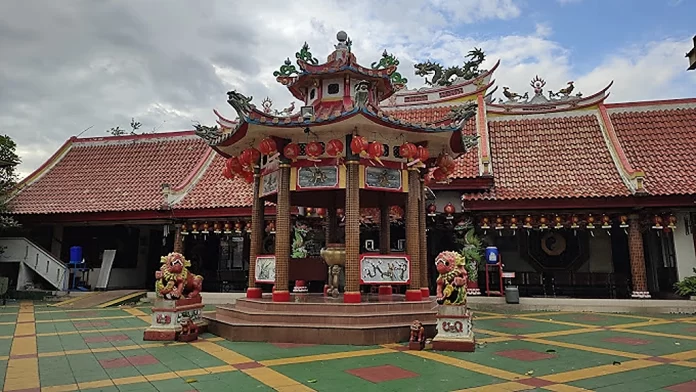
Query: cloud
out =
(168, 64)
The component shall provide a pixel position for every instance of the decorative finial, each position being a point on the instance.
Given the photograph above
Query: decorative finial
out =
(344, 41)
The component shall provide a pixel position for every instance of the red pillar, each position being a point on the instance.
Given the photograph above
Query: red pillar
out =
(635, 248)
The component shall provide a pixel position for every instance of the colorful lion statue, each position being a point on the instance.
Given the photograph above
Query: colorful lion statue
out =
(451, 282)
(174, 280)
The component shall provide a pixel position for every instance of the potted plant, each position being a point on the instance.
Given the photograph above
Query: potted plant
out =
(473, 254)
(687, 286)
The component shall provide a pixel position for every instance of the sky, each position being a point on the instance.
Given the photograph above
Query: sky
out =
(83, 66)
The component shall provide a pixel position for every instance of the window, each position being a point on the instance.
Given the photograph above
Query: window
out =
(332, 88)
(313, 94)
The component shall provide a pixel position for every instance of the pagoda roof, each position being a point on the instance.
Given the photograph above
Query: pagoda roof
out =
(592, 154)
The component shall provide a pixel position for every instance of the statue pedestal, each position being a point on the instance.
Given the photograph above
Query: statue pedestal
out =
(416, 345)
(454, 329)
(168, 316)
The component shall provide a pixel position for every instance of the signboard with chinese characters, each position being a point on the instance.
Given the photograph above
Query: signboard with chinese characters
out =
(265, 269)
(269, 184)
(312, 177)
(383, 178)
(385, 269)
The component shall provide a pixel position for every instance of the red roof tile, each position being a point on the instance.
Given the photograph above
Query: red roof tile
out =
(662, 143)
(551, 158)
(213, 190)
(110, 174)
(422, 115)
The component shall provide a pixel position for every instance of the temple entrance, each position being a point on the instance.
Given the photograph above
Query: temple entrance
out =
(661, 264)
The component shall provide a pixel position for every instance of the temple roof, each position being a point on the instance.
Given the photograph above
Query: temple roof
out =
(606, 151)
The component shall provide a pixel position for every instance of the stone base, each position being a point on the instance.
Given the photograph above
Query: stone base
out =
(416, 345)
(167, 316)
(454, 329)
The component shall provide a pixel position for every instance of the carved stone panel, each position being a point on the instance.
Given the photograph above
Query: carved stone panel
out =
(265, 269)
(382, 269)
(317, 177)
(381, 177)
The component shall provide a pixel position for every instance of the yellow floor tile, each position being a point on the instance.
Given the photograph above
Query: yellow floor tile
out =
(597, 350)
(474, 367)
(503, 387)
(325, 357)
(276, 380)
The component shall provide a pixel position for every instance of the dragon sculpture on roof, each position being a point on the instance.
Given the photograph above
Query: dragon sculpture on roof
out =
(443, 77)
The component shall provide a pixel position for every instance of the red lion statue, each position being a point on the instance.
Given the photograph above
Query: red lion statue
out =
(174, 280)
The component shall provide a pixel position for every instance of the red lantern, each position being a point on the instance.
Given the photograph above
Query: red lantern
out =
(408, 151)
(234, 165)
(334, 147)
(249, 157)
(268, 146)
(227, 173)
(432, 208)
(308, 211)
(238, 227)
(446, 163)
(375, 150)
(228, 227)
(321, 212)
(248, 177)
(423, 154)
(291, 151)
(314, 149)
(449, 209)
(248, 227)
(513, 222)
(339, 212)
(271, 227)
(358, 145)
(439, 175)
(184, 229)
(216, 227)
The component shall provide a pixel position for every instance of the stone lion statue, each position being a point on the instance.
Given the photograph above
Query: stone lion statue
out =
(451, 282)
(417, 332)
(174, 280)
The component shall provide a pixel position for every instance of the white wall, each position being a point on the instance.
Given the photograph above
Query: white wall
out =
(128, 278)
(684, 248)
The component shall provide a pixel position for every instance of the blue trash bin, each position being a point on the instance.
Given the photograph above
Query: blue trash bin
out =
(75, 255)
(492, 255)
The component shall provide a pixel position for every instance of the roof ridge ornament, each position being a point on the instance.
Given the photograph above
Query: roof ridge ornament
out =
(387, 61)
(240, 103)
(442, 77)
(304, 55)
(287, 69)
(537, 83)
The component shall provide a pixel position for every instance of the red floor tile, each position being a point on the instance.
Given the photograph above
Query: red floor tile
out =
(105, 338)
(524, 355)
(248, 365)
(90, 324)
(382, 373)
(536, 382)
(588, 317)
(140, 360)
(689, 386)
(83, 315)
(512, 324)
(114, 363)
(660, 359)
(628, 341)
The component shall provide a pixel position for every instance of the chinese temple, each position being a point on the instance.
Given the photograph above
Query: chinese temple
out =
(582, 198)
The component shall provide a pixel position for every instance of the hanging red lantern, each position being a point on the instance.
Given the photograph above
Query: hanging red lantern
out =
(358, 145)
(672, 222)
(432, 209)
(485, 223)
(334, 148)
(308, 211)
(606, 221)
(559, 221)
(249, 157)
(227, 173)
(238, 227)
(291, 151)
(270, 228)
(528, 222)
(449, 209)
(439, 175)
(228, 227)
(234, 165)
(184, 229)
(340, 212)
(623, 222)
(314, 149)
(575, 220)
(446, 163)
(542, 222)
(216, 227)
(247, 227)
(268, 146)
(408, 151)
(248, 177)
(321, 212)
(513, 223)
(375, 150)
(206, 228)
(590, 221)
(423, 154)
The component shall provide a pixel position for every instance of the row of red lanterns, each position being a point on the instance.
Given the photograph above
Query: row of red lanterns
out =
(222, 227)
(573, 221)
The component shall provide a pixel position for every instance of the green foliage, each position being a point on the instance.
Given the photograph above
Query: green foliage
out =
(117, 131)
(473, 253)
(8, 179)
(687, 286)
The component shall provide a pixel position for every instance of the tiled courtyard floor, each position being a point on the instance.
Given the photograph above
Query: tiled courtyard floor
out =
(44, 348)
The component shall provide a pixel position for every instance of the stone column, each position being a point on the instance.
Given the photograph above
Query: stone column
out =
(384, 237)
(352, 271)
(413, 241)
(256, 243)
(424, 283)
(178, 240)
(283, 231)
(635, 249)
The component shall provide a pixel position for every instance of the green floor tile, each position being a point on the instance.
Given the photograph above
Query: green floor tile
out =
(648, 345)
(55, 371)
(85, 367)
(496, 355)
(7, 330)
(515, 326)
(641, 380)
(101, 389)
(8, 317)
(46, 344)
(331, 376)
(264, 351)
(592, 319)
(3, 369)
(675, 328)
(139, 387)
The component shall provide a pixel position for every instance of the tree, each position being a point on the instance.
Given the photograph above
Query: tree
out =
(117, 131)
(8, 179)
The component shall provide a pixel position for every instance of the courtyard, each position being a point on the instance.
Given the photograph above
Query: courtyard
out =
(44, 348)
